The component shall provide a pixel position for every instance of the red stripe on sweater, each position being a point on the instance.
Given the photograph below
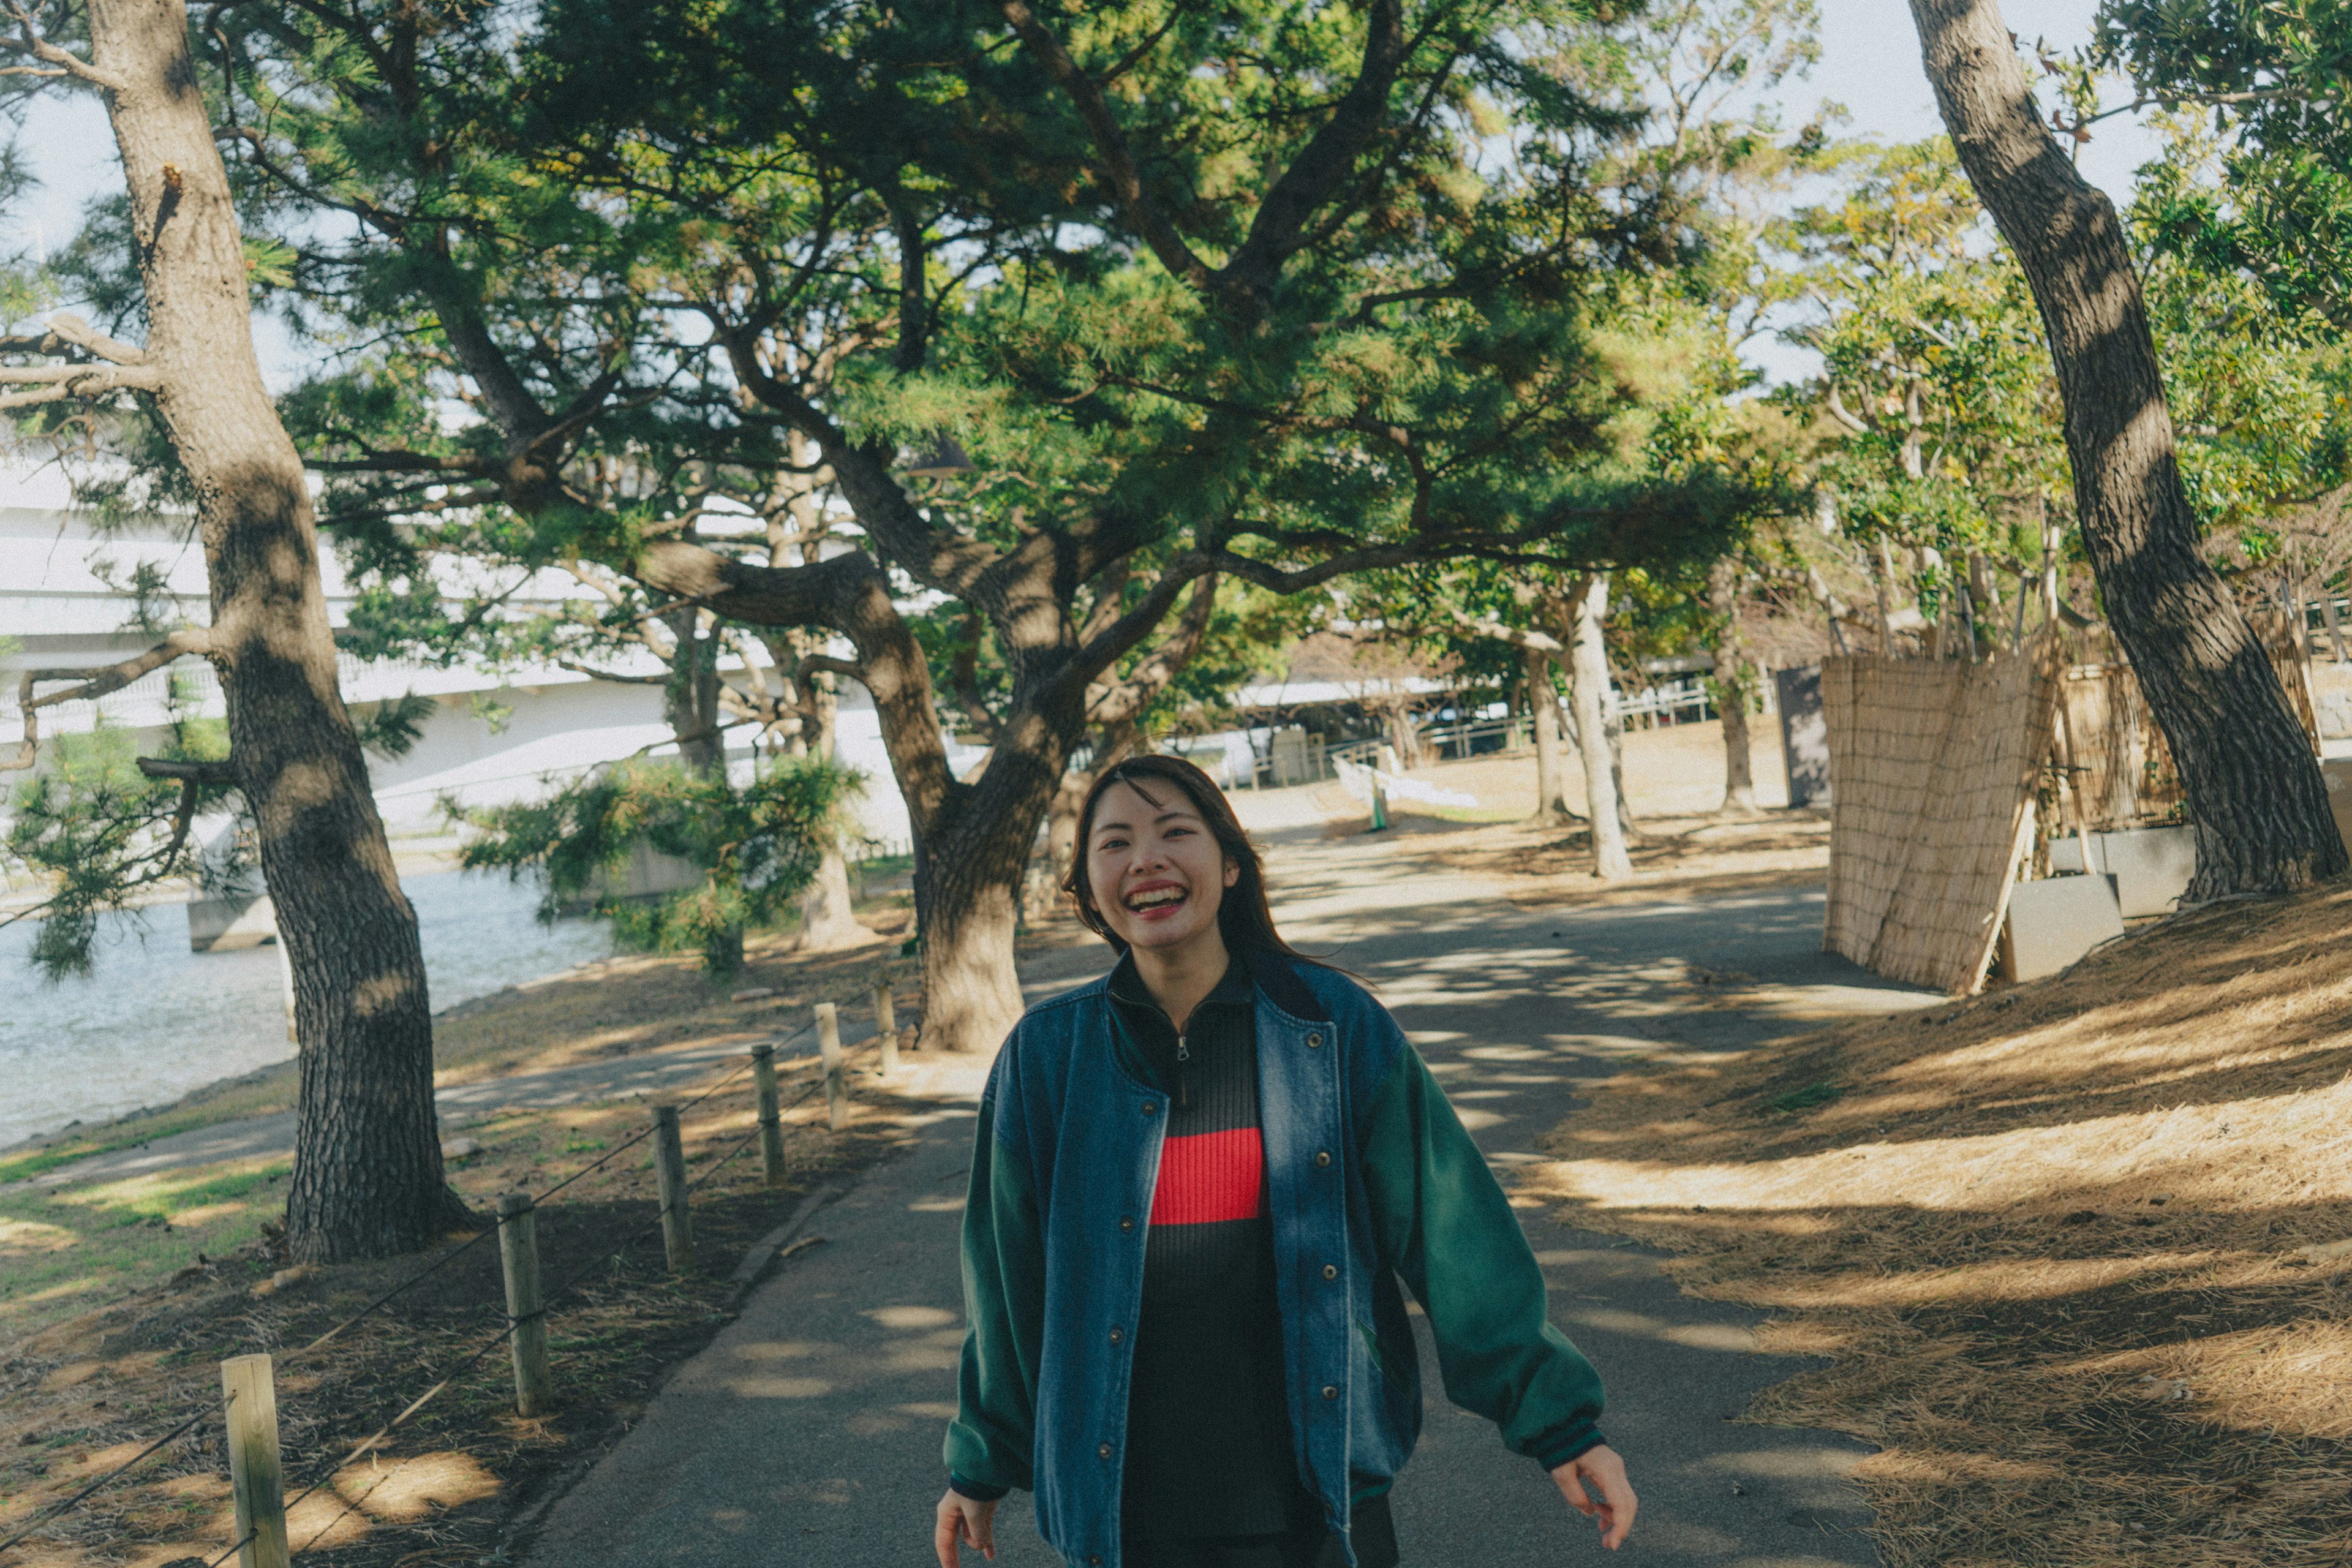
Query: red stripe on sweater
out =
(1211, 1176)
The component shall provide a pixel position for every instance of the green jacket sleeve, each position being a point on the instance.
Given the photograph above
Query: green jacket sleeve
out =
(1446, 1227)
(990, 1440)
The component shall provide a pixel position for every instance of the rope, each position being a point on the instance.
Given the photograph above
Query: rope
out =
(481, 1237)
(242, 1541)
(55, 1509)
(547, 1299)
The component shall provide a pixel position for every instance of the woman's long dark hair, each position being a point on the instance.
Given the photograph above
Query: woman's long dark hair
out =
(1244, 919)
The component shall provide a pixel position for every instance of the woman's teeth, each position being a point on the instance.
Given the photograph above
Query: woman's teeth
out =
(1156, 898)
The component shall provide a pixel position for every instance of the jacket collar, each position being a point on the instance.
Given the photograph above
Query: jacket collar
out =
(1278, 978)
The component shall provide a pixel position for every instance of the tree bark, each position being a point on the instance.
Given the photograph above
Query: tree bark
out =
(828, 913)
(1115, 744)
(367, 1178)
(690, 700)
(1731, 686)
(1551, 807)
(2253, 785)
(968, 873)
(1588, 692)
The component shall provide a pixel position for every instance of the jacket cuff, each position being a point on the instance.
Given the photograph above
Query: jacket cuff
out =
(981, 1492)
(1558, 1447)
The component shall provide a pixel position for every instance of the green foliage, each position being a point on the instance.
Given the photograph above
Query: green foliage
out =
(645, 213)
(2257, 389)
(2270, 76)
(393, 727)
(1934, 366)
(96, 832)
(1943, 430)
(758, 845)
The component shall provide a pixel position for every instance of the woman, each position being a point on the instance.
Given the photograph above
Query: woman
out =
(1197, 1184)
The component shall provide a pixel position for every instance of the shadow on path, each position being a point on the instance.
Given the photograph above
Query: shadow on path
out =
(809, 1432)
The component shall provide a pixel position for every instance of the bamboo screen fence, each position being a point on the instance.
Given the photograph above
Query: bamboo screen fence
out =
(2120, 761)
(1933, 764)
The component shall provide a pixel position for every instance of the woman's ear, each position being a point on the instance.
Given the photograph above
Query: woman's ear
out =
(1233, 870)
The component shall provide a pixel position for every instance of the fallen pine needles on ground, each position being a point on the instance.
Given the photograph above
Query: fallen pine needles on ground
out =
(2074, 1250)
(82, 1395)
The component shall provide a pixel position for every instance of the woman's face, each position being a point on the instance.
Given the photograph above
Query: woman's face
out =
(1154, 870)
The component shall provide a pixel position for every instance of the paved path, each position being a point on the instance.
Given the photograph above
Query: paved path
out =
(808, 1433)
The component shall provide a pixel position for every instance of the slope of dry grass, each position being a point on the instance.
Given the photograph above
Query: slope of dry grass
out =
(2077, 1250)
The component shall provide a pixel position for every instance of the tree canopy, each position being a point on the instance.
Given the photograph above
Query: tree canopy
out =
(1236, 293)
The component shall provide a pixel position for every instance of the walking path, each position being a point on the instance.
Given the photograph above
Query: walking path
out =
(460, 1106)
(809, 1431)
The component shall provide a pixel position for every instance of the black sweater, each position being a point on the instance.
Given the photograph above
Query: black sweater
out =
(1208, 1434)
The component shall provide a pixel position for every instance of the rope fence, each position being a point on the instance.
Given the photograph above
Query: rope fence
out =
(249, 1415)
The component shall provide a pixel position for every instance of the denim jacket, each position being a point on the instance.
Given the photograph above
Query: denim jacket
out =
(1369, 1177)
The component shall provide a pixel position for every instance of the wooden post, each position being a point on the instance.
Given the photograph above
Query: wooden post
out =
(771, 1116)
(2073, 772)
(256, 1477)
(828, 1044)
(886, 1027)
(519, 1253)
(669, 1166)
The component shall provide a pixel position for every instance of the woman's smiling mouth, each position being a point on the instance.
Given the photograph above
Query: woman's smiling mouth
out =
(1157, 901)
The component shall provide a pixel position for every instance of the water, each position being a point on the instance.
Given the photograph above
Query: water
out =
(155, 1020)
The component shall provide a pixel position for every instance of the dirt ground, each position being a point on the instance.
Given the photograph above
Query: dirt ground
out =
(117, 1299)
(1675, 771)
(1682, 841)
(2079, 1252)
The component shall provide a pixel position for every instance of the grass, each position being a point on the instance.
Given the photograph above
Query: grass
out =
(83, 1389)
(2067, 1247)
(258, 1093)
(62, 1246)
(1806, 1099)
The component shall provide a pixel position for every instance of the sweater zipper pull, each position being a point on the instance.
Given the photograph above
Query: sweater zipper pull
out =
(1183, 1079)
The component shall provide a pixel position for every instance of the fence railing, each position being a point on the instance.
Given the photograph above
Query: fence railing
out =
(248, 1414)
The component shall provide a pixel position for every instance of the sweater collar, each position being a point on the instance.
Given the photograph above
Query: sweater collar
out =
(1234, 989)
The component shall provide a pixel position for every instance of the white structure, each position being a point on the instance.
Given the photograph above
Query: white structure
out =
(493, 737)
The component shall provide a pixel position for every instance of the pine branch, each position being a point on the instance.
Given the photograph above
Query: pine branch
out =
(187, 773)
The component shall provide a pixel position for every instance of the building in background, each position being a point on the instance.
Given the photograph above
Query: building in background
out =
(494, 736)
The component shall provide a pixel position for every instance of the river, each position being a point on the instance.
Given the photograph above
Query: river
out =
(155, 1020)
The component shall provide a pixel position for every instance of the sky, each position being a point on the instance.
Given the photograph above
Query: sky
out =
(1870, 63)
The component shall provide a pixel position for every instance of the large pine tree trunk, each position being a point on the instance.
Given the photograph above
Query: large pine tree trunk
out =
(1731, 686)
(1589, 690)
(1551, 810)
(367, 1165)
(2255, 791)
(967, 890)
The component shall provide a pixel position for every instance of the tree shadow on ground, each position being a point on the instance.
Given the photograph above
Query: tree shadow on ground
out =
(2070, 1245)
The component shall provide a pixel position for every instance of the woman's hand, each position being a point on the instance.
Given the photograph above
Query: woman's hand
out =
(973, 1522)
(1606, 1472)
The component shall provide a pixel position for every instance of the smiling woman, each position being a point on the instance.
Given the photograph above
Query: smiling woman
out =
(1198, 1183)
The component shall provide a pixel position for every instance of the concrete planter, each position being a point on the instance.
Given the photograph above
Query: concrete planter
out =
(2054, 922)
(2151, 866)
